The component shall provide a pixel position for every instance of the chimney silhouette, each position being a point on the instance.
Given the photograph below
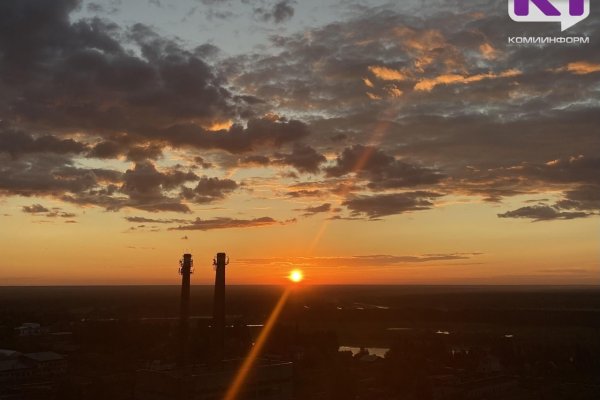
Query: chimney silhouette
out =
(219, 305)
(185, 270)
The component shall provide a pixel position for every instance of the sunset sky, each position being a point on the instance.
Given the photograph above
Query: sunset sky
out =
(363, 142)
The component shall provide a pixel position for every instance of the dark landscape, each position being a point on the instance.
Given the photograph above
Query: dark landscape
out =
(396, 342)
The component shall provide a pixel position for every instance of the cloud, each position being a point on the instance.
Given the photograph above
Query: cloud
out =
(386, 74)
(225, 223)
(579, 68)
(305, 193)
(17, 143)
(264, 132)
(458, 112)
(144, 220)
(574, 169)
(35, 209)
(383, 171)
(390, 204)
(583, 198)
(49, 174)
(110, 149)
(209, 189)
(200, 162)
(374, 261)
(106, 149)
(279, 12)
(542, 213)
(78, 76)
(310, 211)
(255, 160)
(303, 157)
(581, 202)
(49, 213)
(452, 79)
(146, 187)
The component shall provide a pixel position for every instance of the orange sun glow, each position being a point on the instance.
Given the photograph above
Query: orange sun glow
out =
(296, 276)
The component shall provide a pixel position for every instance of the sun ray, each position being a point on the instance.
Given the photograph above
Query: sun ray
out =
(377, 135)
(248, 363)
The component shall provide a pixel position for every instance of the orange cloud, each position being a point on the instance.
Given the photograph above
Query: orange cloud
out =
(388, 74)
(451, 79)
(394, 91)
(580, 68)
(488, 51)
(219, 125)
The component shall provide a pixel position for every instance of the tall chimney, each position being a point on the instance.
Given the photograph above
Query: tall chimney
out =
(185, 269)
(219, 305)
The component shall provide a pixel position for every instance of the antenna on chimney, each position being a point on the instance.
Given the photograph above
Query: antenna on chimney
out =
(186, 268)
(219, 304)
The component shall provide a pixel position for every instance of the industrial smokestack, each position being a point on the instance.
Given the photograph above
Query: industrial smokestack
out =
(219, 305)
(185, 269)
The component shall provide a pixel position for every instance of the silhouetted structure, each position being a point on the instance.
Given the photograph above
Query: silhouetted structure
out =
(219, 305)
(30, 375)
(268, 380)
(185, 269)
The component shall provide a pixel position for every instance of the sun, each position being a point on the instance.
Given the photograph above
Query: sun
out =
(296, 276)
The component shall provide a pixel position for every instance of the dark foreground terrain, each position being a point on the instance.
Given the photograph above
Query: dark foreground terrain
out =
(345, 342)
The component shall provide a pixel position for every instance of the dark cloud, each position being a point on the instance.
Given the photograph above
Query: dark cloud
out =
(49, 213)
(256, 160)
(474, 136)
(305, 193)
(574, 169)
(35, 209)
(581, 202)
(209, 189)
(304, 158)
(310, 211)
(583, 198)
(17, 143)
(389, 204)
(105, 150)
(47, 174)
(279, 12)
(61, 214)
(146, 187)
(144, 220)
(339, 137)
(148, 152)
(450, 107)
(206, 50)
(542, 213)
(383, 171)
(110, 149)
(225, 223)
(78, 76)
(259, 133)
(200, 162)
